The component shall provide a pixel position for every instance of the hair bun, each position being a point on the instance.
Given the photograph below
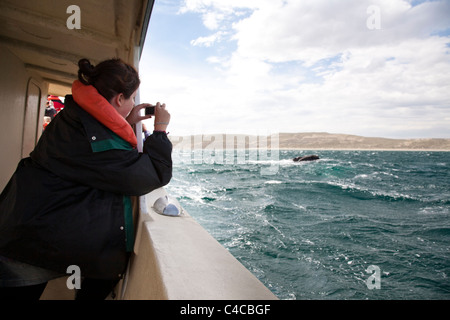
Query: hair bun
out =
(86, 69)
(86, 66)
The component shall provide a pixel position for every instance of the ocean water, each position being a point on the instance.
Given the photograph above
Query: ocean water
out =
(352, 225)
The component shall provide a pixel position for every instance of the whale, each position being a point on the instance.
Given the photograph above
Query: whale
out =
(311, 157)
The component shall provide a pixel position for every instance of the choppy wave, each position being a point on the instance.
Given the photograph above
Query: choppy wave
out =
(311, 230)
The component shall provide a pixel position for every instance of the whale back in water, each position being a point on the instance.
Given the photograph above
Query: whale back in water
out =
(306, 158)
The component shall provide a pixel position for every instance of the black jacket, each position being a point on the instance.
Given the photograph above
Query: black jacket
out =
(68, 203)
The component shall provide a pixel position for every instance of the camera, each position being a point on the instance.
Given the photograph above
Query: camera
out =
(149, 111)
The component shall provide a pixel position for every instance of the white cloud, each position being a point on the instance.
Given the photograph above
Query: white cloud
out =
(212, 20)
(209, 40)
(311, 30)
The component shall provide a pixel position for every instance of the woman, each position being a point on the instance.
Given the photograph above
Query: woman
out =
(69, 202)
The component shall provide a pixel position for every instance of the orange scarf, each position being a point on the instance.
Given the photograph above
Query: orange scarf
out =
(88, 98)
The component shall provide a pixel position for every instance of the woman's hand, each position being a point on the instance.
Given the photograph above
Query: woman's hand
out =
(135, 114)
(162, 117)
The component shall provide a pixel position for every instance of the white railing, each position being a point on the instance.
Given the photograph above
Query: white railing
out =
(176, 258)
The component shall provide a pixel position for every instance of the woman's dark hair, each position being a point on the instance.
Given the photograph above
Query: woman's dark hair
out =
(109, 77)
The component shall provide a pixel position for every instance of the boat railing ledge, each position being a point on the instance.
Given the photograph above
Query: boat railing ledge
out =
(175, 258)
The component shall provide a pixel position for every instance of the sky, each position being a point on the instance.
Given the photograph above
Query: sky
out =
(378, 68)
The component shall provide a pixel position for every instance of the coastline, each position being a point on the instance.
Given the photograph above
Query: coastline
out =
(307, 141)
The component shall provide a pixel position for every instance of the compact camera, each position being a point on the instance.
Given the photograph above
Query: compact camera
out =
(149, 111)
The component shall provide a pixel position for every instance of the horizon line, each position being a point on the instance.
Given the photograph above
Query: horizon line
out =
(306, 132)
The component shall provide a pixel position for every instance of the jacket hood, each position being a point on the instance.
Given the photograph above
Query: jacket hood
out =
(88, 98)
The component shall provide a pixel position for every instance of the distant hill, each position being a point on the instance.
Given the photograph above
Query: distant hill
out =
(311, 141)
(346, 141)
